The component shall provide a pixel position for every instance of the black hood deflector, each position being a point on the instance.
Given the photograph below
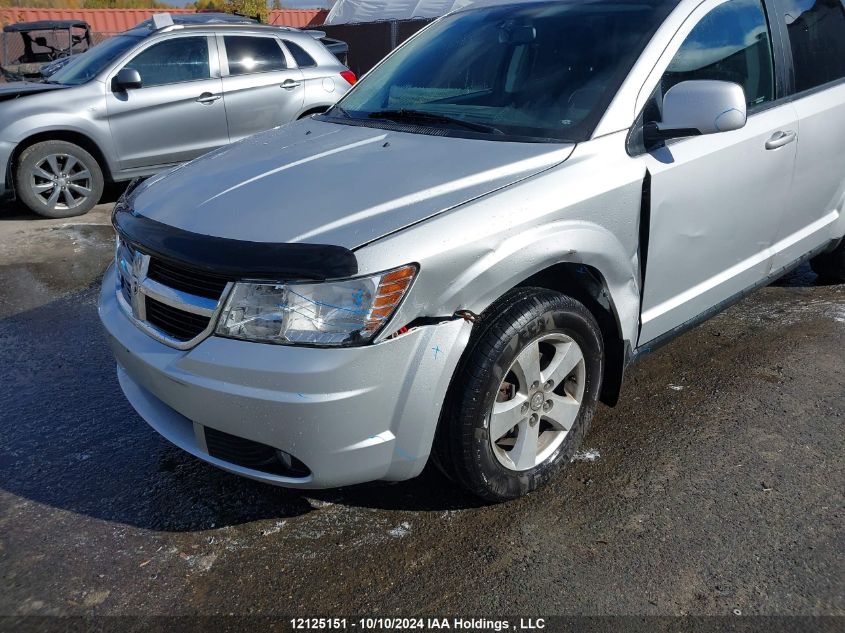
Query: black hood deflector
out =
(234, 258)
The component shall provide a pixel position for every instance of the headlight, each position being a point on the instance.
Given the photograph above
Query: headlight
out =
(345, 312)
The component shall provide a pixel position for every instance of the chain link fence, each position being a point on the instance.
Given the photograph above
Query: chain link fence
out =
(12, 46)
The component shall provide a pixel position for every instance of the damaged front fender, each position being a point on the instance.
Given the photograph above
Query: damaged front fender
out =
(585, 211)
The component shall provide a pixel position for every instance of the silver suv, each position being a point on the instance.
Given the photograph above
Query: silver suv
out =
(461, 258)
(154, 97)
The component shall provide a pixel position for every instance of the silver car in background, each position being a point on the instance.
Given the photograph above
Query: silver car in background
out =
(523, 200)
(154, 97)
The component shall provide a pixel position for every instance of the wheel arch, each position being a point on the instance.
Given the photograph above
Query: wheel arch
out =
(584, 261)
(70, 136)
(314, 110)
(587, 285)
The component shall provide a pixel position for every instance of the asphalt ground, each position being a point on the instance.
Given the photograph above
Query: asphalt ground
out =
(715, 487)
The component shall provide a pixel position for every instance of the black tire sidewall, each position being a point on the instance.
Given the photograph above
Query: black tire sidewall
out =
(33, 154)
(547, 312)
(830, 265)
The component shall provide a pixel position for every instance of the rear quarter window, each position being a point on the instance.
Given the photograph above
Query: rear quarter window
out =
(303, 59)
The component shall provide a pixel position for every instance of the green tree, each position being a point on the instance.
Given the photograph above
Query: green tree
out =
(210, 5)
(250, 8)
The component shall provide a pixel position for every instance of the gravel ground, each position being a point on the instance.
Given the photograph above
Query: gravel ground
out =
(714, 488)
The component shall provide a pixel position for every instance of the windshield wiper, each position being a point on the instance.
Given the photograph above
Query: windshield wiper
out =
(410, 116)
(345, 114)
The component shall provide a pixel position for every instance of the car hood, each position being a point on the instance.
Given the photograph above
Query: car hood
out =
(319, 182)
(19, 89)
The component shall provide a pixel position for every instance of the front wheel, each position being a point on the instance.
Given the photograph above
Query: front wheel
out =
(524, 394)
(57, 179)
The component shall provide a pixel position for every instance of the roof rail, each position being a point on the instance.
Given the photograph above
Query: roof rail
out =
(235, 26)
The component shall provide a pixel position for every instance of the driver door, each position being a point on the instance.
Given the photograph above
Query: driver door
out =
(717, 200)
(178, 113)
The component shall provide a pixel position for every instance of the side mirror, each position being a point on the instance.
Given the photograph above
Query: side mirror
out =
(127, 78)
(693, 108)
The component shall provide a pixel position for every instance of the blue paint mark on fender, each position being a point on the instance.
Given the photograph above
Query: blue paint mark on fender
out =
(403, 454)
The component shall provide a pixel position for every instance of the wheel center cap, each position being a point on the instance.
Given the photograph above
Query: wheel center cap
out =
(62, 182)
(537, 401)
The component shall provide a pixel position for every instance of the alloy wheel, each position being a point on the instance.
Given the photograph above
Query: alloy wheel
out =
(538, 402)
(61, 181)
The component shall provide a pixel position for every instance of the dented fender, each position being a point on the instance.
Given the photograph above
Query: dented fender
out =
(472, 255)
(521, 257)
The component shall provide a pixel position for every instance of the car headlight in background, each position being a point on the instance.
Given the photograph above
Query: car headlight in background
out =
(344, 312)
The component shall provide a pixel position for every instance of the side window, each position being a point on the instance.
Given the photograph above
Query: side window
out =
(173, 61)
(817, 38)
(303, 59)
(731, 43)
(253, 54)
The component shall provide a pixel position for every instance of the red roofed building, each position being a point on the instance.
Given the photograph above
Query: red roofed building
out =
(117, 20)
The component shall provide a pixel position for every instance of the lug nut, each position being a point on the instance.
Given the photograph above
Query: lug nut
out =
(548, 405)
(525, 407)
(534, 419)
(535, 384)
(549, 385)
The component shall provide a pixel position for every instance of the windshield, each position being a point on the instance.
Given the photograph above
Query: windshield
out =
(537, 71)
(87, 66)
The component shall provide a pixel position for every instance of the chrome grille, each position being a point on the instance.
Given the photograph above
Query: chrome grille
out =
(181, 325)
(125, 290)
(175, 305)
(188, 280)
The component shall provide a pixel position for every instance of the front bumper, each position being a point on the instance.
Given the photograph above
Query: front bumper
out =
(351, 415)
(6, 185)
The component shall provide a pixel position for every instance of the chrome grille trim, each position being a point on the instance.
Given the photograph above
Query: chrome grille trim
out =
(131, 267)
(178, 299)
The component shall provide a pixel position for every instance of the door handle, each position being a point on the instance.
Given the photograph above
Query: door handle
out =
(207, 97)
(779, 139)
(290, 84)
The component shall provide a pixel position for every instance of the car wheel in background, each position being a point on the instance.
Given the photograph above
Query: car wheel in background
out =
(523, 396)
(57, 179)
(830, 265)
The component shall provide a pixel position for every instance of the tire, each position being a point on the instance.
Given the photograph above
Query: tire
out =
(40, 189)
(830, 265)
(495, 372)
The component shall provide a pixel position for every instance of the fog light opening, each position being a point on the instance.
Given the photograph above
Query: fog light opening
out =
(253, 455)
(291, 464)
(287, 460)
